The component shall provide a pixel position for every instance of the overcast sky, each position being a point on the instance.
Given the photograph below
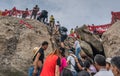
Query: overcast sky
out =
(71, 13)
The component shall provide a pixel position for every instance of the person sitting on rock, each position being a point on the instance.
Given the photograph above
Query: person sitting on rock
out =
(38, 60)
(35, 11)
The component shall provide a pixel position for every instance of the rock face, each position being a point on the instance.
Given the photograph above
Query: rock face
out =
(111, 40)
(91, 39)
(85, 47)
(16, 44)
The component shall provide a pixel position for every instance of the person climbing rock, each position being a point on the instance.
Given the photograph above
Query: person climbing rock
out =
(76, 28)
(35, 11)
(43, 17)
(57, 26)
(38, 60)
(51, 24)
(71, 31)
(63, 33)
(52, 21)
(77, 48)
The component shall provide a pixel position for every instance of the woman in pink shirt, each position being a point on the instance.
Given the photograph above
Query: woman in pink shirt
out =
(63, 60)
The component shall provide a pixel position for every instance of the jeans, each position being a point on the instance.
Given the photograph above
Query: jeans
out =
(74, 73)
(30, 72)
(77, 52)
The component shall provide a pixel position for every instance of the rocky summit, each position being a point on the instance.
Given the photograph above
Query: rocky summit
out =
(17, 41)
(111, 40)
(18, 37)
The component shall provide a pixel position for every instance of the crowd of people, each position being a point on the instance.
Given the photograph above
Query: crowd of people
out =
(74, 64)
(57, 63)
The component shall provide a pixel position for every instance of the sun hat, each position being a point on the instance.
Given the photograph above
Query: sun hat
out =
(35, 51)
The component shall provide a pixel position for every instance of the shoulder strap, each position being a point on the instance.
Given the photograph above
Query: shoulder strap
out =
(71, 63)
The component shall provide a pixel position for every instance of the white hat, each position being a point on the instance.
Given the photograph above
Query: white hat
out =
(108, 60)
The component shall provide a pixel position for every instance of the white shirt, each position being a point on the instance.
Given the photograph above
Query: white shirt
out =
(72, 61)
(77, 44)
(103, 72)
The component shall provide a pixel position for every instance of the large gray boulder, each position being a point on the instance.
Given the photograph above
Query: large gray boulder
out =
(111, 40)
(92, 39)
(16, 45)
(85, 47)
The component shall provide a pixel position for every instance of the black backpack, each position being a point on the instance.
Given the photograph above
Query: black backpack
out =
(64, 29)
(76, 67)
(44, 13)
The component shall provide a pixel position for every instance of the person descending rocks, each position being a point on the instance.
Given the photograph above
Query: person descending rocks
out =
(52, 64)
(63, 33)
(38, 60)
(34, 12)
(25, 13)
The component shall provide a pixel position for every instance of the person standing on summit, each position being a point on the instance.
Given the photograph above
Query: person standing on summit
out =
(35, 11)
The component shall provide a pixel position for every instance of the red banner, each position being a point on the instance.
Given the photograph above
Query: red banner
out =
(26, 24)
(16, 12)
(100, 29)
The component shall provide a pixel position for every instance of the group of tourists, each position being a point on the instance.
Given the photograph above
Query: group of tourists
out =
(58, 64)
(35, 13)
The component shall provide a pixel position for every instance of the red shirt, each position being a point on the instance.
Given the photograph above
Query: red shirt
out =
(49, 66)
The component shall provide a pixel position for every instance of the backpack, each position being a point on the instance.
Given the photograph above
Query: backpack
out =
(44, 13)
(64, 29)
(76, 67)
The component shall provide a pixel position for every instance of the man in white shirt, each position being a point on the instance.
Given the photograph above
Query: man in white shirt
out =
(100, 64)
(71, 62)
